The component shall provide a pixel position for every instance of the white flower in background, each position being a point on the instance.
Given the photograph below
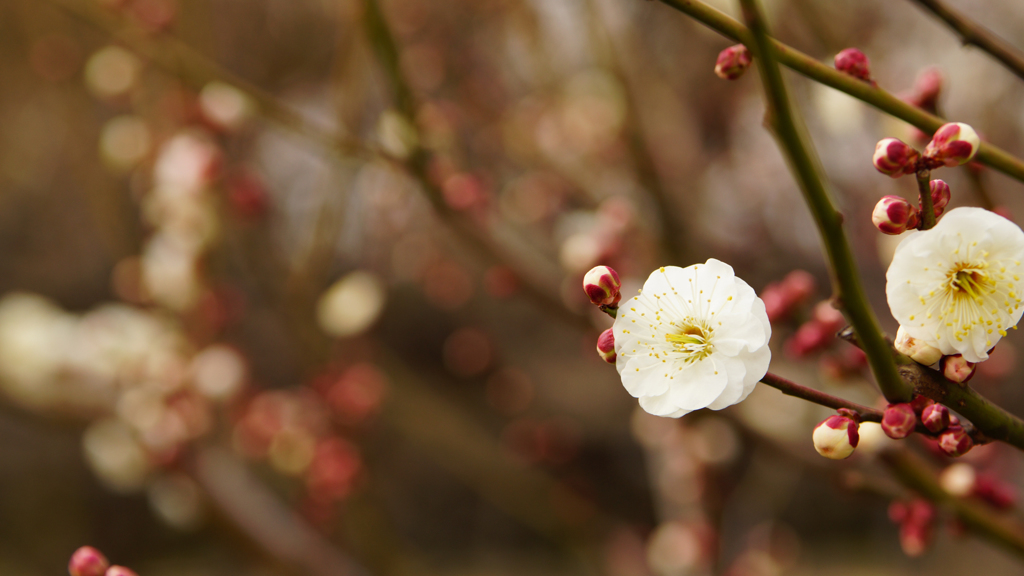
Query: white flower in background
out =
(694, 338)
(954, 287)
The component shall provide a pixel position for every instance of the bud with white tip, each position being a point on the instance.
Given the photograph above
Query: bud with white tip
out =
(836, 437)
(918, 350)
(935, 418)
(957, 369)
(602, 286)
(606, 346)
(853, 62)
(88, 561)
(733, 62)
(894, 215)
(958, 479)
(899, 421)
(955, 441)
(953, 144)
(894, 158)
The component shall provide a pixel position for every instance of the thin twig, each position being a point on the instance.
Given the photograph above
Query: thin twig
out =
(974, 34)
(790, 388)
(924, 189)
(988, 154)
(846, 279)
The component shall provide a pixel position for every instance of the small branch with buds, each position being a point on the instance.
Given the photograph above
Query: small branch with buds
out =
(805, 167)
(974, 34)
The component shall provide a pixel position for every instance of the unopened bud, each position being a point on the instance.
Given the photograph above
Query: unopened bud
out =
(87, 561)
(918, 350)
(120, 571)
(940, 196)
(894, 158)
(952, 145)
(955, 368)
(894, 215)
(606, 346)
(916, 528)
(955, 441)
(919, 403)
(732, 62)
(899, 421)
(853, 62)
(996, 492)
(927, 88)
(602, 286)
(836, 437)
(935, 418)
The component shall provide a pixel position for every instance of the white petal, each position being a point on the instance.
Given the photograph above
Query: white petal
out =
(699, 384)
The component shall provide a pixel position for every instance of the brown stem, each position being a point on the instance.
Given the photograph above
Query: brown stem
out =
(790, 388)
(974, 34)
(924, 189)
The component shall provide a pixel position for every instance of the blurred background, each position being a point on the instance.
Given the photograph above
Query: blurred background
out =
(293, 287)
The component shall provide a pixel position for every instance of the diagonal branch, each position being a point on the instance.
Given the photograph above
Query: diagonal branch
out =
(974, 34)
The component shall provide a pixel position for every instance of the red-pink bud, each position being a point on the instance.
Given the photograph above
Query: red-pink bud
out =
(952, 145)
(602, 286)
(935, 418)
(919, 403)
(120, 571)
(836, 437)
(894, 215)
(955, 441)
(809, 337)
(894, 158)
(798, 286)
(916, 527)
(927, 89)
(606, 346)
(899, 421)
(940, 196)
(733, 62)
(994, 491)
(853, 62)
(87, 561)
(956, 369)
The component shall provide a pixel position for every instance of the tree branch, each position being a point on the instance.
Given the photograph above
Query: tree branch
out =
(790, 388)
(974, 34)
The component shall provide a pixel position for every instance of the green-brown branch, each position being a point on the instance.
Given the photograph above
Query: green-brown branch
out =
(974, 34)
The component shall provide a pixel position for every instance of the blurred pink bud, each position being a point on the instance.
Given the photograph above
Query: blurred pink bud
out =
(828, 316)
(997, 493)
(87, 561)
(955, 441)
(798, 286)
(916, 527)
(899, 421)
(894, 215)
(940, 196)
(927, 89)
(853, 62)
(956, 369)
(810, 337)
(894, 158)
(120, 571)
(602, 286)
(952, 145)
(606, 346)
(918, 350)
(836, 437)
(732, 62)
(935, 418)
(919, 403)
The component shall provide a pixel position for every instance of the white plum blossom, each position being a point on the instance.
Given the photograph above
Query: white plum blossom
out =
(955, 287)
(694, 337)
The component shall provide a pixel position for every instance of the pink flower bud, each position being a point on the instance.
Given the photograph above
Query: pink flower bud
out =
(120, 571)
(955, 442)
(918, 350)
(899, 421)
(916, 527)
(894, 215)
(894, 158)
(809, 338)
(853, 62)
(732, 62)
(952, 145)
(87, 561)
(602, 286)
(798, 286)
(940, 196)
(935, 418)
(919, 403)
(927, 89)
(836, 437)
(606, 346)
(996, 492)
(828, 316)
(956, 369)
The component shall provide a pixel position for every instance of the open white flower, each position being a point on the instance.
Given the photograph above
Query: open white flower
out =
(955, 286)
(694, 338)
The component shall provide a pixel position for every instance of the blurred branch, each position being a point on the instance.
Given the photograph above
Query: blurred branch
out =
(846, 280)
(974, 34)
(988, 154)
(916, 474)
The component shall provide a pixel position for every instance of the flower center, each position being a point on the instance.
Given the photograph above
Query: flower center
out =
(970, 282)
(693, 340)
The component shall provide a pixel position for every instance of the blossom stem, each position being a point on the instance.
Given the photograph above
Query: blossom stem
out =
(914, 473)
(790, 388)
(974, 34)
(846, 281)
(924, 179)
(988, 154)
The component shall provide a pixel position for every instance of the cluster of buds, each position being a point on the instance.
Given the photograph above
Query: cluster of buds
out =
(818, 332)
(733, 62)
(837, 436)
(962, 480)
(952, 439)
(953, 144)
(603, 287)
(782, 298)
(895, 215)
(88, 561)
(853, 62)
(916, 520)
